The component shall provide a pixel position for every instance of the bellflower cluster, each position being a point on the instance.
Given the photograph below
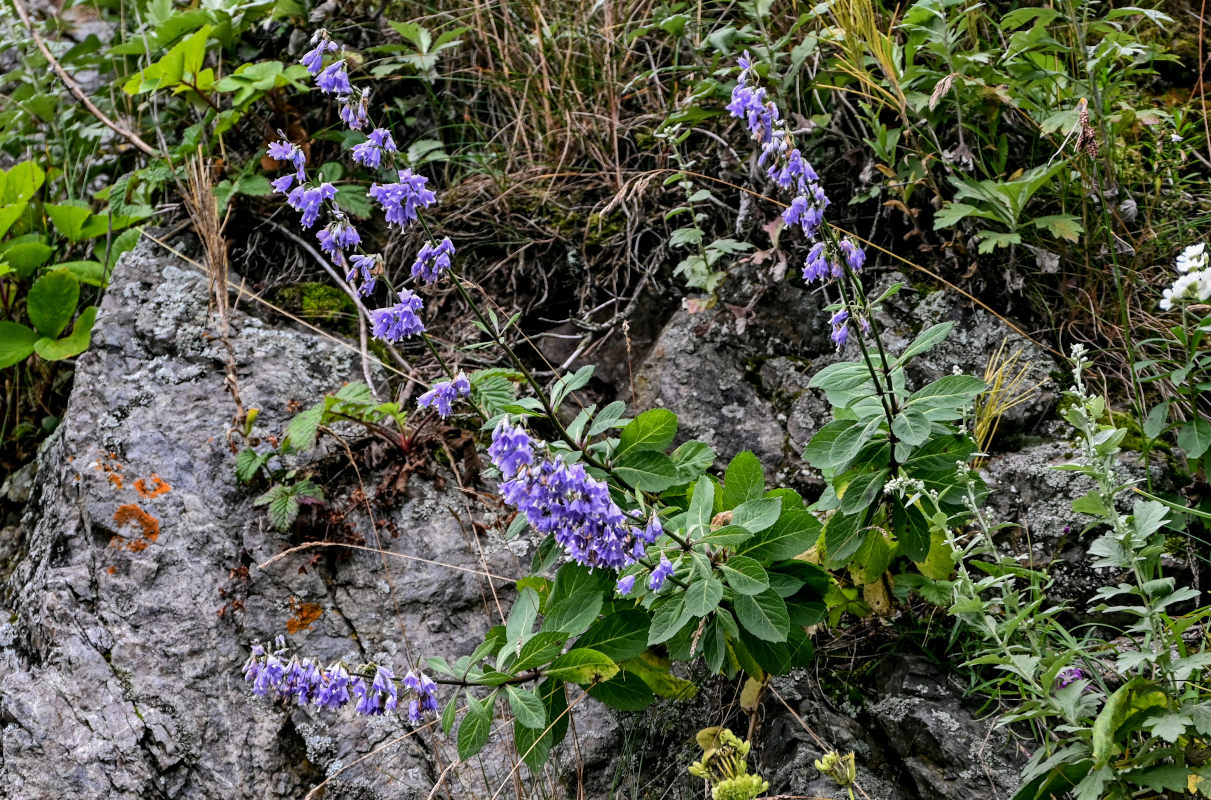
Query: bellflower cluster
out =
(659, 575)
(306, 681)
(567, 502)
(400, 320)
(313, 59)
(840, 334)
(400, 201)
(308, 200)
(791, 171)
(369, 266)
(337, 237)
(443, 395)
(1194, 282)
(432, 261)
(370, 152)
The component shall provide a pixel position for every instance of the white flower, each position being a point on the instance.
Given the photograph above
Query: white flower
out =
(1193, 258)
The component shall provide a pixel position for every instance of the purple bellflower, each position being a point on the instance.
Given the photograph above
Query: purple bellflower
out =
(443, 395)
(399, 321)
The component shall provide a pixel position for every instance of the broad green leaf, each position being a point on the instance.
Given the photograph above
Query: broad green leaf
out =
(744, 480)
(949, 392)
(522, 616)
(1154, 423)
(842, 537)
(795, 532)
(16, 343)
(21, 183)
(925, 341)
(647, 470)
(692, 459)
(862, 491)
(951, 213)
(911, 426)
(533, 746)
(756, 515)
(1194, 437)
(90, 272)
(9, 214)
(819, 449)
(69, 219)
(52, 302)
(626, 691)
(655, 673)
(871, 560)
(26, 257)
(473, 731)
(847, 444)
(72, 345)
(619, 635)
(651, 430)
(744, 575)
(582, 665)
(764, 615)
(302, 431)
(669, 617)
(1106, 726)
(527, 708)
(702, 596)
(555, 699)
(727, 536)
(1061, 226)
(574, 614)
(912, 532)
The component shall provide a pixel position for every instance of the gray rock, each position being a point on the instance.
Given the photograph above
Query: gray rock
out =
(129, 614)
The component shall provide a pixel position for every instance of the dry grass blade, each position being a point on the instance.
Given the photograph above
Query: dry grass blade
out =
(1006, 377)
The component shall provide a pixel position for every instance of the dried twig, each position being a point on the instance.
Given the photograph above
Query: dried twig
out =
(75, 89)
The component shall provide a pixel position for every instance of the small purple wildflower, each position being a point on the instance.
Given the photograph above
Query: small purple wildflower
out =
(334, 79)
(284, 150)
(432, 261)
(816, 266)
(663, 570)
(1069, 675)
(400, 201)
(313, 59)
(840, 334)
(399, 321)
(338, 237)
(370, 152)
(443, 395)
(353, 113)
(626, 585)
(855, 256)
(308, 201)
(369, 265)
(511, 448)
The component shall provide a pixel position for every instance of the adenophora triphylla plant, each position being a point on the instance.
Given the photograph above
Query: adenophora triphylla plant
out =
(642, 559)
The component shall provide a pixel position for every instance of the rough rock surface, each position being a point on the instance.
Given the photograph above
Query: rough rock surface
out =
(119, 678)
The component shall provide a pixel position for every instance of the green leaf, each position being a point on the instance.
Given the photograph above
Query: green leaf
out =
(626, 691)
(871, 560)
(743, 481)
(1194, 437)
(862, 491)
(1091, 503)
(744, 575)
(847, 444)
(842, 537)
(555, 699)
(1154, 423)
(26, 257)
(911, 426)
(668, 618)
(473, 731)
(52, 302)
(72, 345)
(1061, 226)
(1105, 727)
(692, 459)
(727, 536)
(527, 707)
(302, 431)
(574, 614)
(925, 341)
(764, 615)
(522, 616)
(949, 392)
(21, 183)
(647, 470)
(533, 746)
(69, 219)
(16, 343)
(582, 665)
(702, 596)
(756, 515)
(538, 650)
(819, 449)
(9, 214)
(651, 430)
(912, 531)
(619, 635)
(90, 272)
(248, 463)
(449, 714)
(795, 532)
(655, 673)
(1170, 726)
(951, 213)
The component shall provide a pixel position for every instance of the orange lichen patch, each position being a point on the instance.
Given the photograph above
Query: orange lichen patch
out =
(304, 615)
(112, 469)
(148, 527)
(111, 569)
(152, 487)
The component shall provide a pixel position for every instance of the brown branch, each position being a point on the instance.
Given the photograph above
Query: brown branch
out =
(75, 89)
